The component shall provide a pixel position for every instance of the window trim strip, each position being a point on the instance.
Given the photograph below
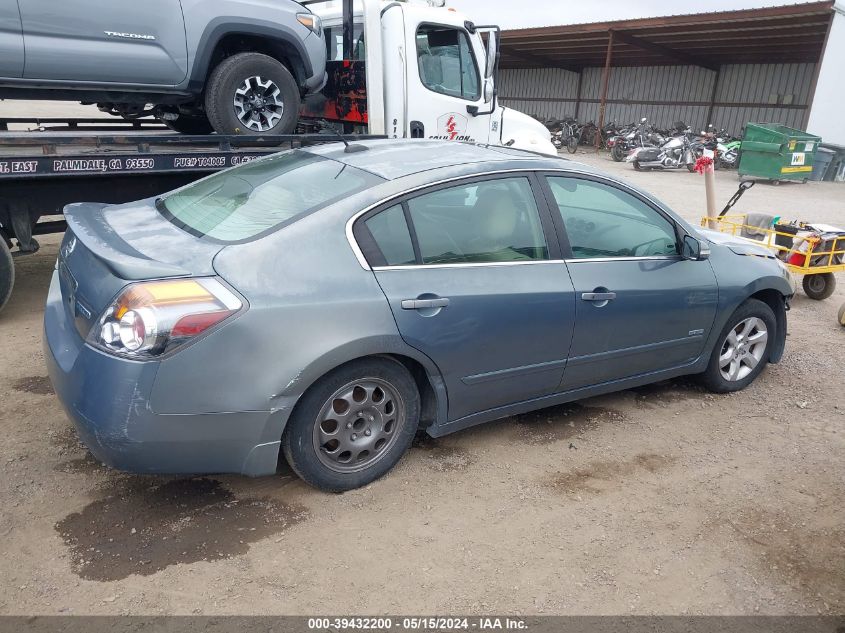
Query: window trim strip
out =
(350, 235)
(540, 173)
(521, 262)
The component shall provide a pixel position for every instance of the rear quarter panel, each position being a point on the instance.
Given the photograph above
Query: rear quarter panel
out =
(312, 307)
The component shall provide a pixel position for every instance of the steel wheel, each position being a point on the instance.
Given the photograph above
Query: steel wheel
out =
(258, 104)
(743, 349)
(357, 425)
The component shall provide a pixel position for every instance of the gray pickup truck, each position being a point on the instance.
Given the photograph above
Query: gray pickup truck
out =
(230, 66)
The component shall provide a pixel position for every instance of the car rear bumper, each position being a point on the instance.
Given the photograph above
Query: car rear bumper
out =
(107, 398)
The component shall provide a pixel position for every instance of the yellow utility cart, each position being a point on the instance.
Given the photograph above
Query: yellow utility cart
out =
(814, 250)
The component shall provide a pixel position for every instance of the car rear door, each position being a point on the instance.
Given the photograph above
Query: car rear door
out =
(90, 40)
(640, 307)
(474, 278)
(11, 40)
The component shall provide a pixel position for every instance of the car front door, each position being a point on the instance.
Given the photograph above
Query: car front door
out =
(91, 40)
(640, 307)
(475, 281)
(11, 40)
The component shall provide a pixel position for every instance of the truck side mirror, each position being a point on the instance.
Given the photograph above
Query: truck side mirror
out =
(492, 54)
(489, 91)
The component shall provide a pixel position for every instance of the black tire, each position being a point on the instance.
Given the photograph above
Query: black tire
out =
(194, 125)
(819, 287)
(691, 167)
(231, 74)
(712, 377)
(299, 443)
(637, 166)
(572, 144)
(841, 315)
(617, 153)
(7, 272)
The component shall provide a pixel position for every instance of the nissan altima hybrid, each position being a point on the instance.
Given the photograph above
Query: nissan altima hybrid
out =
(326, 304)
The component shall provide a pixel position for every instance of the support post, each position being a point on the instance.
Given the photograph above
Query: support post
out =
(578, 93)
(348, 29)
(713, 97)
(604, 80)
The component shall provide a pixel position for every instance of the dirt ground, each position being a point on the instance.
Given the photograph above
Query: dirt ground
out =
(661, 500)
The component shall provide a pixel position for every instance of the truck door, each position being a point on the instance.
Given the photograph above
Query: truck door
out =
(11, 40)
(92, 40)
(444, 77)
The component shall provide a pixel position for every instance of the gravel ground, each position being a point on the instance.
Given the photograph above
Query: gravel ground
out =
(661, 500)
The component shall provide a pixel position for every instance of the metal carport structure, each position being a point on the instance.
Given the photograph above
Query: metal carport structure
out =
(722, 67)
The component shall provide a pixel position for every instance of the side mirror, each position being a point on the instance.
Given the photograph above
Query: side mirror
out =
(694, 249)
(492, 53)
(488, 91)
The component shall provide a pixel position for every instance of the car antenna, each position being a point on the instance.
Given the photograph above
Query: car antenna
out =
(350, 148)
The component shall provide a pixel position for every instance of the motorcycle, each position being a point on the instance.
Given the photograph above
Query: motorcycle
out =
(728, 148)
(641, 135)
(674, 153)
(566, 134)
(705, 145)
(729, 153)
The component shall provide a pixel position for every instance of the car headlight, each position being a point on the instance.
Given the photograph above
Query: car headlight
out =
(311, 21)
(151, 318)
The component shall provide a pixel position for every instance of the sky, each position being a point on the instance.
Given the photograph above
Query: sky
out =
(513, 14)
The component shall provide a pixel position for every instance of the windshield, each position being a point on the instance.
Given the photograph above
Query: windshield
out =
(248, 201)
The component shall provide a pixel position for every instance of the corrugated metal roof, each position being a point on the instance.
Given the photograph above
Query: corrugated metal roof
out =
(779, 34)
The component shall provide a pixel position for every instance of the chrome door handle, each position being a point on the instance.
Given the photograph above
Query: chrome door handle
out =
(598, 296)
(422, 304)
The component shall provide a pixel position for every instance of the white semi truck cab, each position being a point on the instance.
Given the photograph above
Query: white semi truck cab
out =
(416, 69)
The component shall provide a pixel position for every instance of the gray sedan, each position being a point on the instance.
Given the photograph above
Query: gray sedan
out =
(327, 303)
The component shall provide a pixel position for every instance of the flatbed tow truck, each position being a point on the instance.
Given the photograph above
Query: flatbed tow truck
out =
(41, 172)
(425, 72)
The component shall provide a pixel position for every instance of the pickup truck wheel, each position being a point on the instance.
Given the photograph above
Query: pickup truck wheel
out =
(189, 124)
(7, 272)
(251, 93)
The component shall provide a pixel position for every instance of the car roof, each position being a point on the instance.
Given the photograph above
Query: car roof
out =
(397, 158)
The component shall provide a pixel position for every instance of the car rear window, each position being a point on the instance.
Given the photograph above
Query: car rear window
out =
(254, 199)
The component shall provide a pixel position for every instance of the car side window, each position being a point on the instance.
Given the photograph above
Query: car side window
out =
(391, 235)
(604, 221)
(446, 62)
(489, 221)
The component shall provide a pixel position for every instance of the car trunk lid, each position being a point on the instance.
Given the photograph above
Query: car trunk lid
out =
(107, 247)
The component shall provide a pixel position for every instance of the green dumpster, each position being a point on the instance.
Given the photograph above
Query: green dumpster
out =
(777, 152)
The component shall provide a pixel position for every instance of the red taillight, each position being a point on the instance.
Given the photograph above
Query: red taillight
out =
(194, 324)
(151, 318)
